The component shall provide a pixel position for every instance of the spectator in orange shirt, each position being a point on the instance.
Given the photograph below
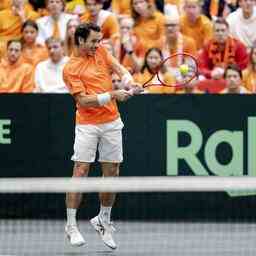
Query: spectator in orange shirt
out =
(194, 24)
(233, 77)
(105, 19)
(98, 123)
(249, 74)
(15, 75)
(69, 43)
(153, 59)
(32, 52)
(11, 20)
(132, 50)
(148, 24)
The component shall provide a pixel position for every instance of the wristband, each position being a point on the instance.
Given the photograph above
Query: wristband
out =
(103, 98)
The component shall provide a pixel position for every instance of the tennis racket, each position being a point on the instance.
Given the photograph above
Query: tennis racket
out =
(182, 67)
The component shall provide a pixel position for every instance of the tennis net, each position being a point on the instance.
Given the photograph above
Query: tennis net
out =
(152, 216)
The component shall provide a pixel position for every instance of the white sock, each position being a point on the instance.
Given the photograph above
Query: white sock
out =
(105, 213)
(71, 217)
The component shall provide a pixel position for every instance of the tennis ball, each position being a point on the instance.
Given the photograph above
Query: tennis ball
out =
(184, 69)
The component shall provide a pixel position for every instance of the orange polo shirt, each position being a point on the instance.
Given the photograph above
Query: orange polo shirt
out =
(16, 78)
(92, 75)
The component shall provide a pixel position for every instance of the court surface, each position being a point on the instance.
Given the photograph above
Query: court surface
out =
(21, 237)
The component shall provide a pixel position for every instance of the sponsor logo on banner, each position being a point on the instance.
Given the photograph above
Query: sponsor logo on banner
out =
(5, 131)
(242, 160)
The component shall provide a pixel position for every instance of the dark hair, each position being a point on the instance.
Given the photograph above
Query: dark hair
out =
(222, 21)
(233, 67)
(145, 64)
(13, 41)
(83, 31)
(29, 23)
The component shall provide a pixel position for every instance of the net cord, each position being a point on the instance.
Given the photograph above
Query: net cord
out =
(126, 184)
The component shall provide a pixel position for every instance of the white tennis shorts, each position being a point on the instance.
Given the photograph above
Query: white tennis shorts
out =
(106, 138)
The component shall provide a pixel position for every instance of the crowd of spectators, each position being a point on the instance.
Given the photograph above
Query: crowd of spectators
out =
(37, 40)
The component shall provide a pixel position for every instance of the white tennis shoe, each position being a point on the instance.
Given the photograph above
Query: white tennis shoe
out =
(74, 235)
(105, 231)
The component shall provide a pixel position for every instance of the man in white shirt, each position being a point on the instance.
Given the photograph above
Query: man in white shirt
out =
(48, 73)
(242, 22)
(55, 24)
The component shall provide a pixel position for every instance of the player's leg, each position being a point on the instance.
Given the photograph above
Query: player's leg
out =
(107, 200)
(73, 201)
(110, 156)
(102, 222)
(86, 140)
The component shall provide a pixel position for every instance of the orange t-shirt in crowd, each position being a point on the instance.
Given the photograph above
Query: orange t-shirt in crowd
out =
(34, 54)
(16, 78)
(150, 31)
(91, 75)
(201, 31)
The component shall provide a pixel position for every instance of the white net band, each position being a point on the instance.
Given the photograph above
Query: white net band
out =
(126, 184)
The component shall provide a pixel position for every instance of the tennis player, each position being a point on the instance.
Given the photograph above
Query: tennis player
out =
(98, 123)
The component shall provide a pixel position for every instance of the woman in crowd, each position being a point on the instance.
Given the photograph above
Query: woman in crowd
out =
(153, 58)
(69, 44)
(32, 52)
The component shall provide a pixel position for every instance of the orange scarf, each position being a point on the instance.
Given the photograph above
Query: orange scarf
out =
(222, 58)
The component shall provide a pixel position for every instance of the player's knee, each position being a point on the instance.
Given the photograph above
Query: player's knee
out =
(80, 169)
(113, 170)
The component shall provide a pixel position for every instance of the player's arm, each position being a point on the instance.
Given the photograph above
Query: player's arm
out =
(127, 81)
